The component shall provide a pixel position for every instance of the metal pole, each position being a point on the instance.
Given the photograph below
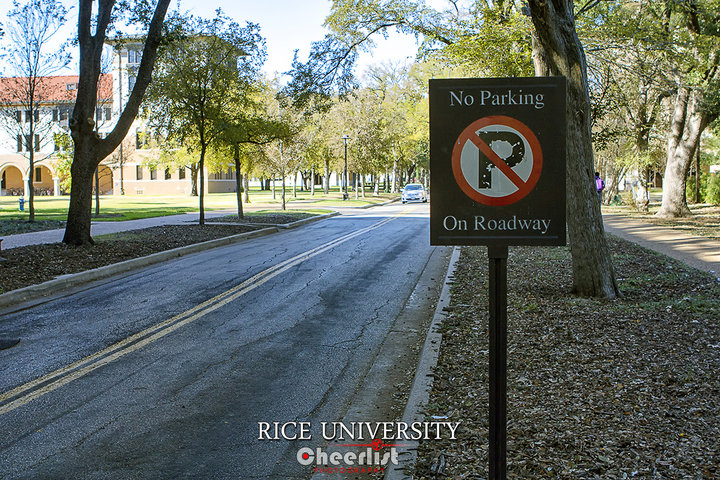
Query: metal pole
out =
(345, 177)
(697, 175)
(498, 361)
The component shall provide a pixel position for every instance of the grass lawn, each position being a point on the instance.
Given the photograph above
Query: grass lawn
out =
(51, 212)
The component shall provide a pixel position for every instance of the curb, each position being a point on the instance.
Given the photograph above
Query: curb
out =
(420, 391)
(300, 223)
(35, 292)
(380, 204)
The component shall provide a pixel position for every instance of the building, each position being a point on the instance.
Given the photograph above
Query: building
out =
(127, 171)
(55, 97)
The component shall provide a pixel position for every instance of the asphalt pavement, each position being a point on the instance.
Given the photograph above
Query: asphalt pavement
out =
(234, 370)
(699, 252)
(166, 372)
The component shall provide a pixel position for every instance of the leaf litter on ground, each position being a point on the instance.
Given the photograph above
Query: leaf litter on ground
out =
(597, 389)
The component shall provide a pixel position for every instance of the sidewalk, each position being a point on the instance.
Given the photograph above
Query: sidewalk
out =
(101, 227)
(104, 227)
(698, 252)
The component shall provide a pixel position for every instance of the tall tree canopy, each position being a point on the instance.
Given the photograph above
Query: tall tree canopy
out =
(31, 58)
(199, 79)
(458, 34)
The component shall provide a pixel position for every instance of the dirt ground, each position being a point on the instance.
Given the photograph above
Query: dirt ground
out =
(30, 265)
(597, 389)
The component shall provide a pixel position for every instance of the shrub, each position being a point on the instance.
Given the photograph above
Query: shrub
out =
(690, 188)
(712, 189)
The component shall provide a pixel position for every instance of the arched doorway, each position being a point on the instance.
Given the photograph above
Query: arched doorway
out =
(105, 175)
(11, 182)
(43, 183)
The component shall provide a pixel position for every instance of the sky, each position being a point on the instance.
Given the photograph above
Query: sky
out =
(286, 25)
(291, 24)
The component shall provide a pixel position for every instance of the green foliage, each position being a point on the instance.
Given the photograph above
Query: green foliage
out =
(690, 188)
(493, 43)
(199, 74)
(64, 156)
(712, 189)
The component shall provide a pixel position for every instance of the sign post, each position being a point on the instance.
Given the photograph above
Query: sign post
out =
(497, 172)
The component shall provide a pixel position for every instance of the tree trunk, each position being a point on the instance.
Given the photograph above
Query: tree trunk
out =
(557, 51)
(642, 199)
(394, 187)
(326, 183)
(246, 184)
(77, 228)
(122, 162)
(686, 126)
(94, 19)
(238, 181)
(194, 180)
(201, 179)
(31, 181)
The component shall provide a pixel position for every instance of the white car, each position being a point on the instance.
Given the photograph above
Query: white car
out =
(414, 192)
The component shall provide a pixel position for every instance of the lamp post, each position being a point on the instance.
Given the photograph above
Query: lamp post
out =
(345, 138)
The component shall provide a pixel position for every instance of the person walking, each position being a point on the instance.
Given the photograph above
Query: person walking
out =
(599, 185)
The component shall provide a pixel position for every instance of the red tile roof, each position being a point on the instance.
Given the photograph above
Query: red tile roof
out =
(52, 90)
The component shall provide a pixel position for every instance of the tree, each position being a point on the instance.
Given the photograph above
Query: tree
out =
(691, 28)
(32, 59)
(89, 149)
(629, 88)
(556, 50)
(248, 122)
(197, 77)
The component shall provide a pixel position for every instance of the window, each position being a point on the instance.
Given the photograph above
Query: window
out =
(98, 114)
(18, 116)
(37, 142)
(167, 174)
(139, 172)
(19, 142)
(28, 114)
(153, 174)
(181, 173)
(56, 115)
(108, 113)
(134, 56)
(131, 82)
(70, 86)
(38, 174)
(28, 143)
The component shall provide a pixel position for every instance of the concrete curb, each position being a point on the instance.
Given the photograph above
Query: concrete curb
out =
(34, 292)
(380, 204)
(304, 221)
(420, 391)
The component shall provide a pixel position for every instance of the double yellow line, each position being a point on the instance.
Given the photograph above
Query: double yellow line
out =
(30, 391)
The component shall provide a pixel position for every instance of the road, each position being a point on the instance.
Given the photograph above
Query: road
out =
(166, 372)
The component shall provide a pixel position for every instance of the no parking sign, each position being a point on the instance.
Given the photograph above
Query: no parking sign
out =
(497, 161)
